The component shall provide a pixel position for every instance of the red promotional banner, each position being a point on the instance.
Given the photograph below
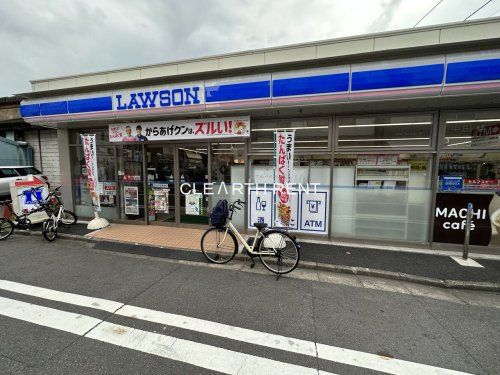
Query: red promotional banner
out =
(284, 144)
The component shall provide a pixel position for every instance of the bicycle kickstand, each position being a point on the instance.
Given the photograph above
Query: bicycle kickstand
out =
(253, 262)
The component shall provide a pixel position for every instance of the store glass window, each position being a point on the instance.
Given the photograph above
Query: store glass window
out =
(311, 171)
(310, 134)
(101, 135)
(479, 129)
(228, 173)
(107, 183)
(468, 178)
(382, 196)
(385, 131)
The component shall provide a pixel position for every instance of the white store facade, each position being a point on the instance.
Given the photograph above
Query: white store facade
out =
(397, 130)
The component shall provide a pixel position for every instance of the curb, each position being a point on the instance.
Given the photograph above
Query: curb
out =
(335, 268)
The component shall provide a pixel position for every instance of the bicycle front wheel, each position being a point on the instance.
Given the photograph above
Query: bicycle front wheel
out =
(278, 252)
(219, 246)
(6, 228)
(68, 218)
(49, 230)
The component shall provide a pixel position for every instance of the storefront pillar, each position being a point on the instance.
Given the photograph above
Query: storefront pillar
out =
(65, 167)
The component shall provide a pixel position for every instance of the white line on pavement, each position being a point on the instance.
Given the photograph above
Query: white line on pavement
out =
(327, 352)
(61, 320)
(55, 295)
(469, 262)
(201, 355)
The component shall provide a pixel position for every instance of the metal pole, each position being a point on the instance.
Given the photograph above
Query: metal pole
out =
(467, 231)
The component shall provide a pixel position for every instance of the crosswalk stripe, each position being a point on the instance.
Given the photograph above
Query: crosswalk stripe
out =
(309, 348)
(52, 318)
(194, 353)
(55, 295)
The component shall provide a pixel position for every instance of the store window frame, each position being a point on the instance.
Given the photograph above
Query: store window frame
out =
(441, 149)
(289, 119)
(433, 133)
(442, 131)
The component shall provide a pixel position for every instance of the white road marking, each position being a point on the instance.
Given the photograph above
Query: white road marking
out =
(469, 262)
(194, 353)
(55, 295)
(327, 352)
(222, 330)
(48, 317)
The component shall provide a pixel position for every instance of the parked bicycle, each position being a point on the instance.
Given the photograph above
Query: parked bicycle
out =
(51, 205)
(277, 249)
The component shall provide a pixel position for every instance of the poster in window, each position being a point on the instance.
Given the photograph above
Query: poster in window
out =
(194, 204)
(131, 197)
(451, 217)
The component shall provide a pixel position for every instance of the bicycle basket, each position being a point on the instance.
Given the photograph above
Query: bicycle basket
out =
(219, 213)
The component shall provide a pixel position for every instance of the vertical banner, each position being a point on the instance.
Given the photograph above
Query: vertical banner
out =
(89, 150)
(284, 144)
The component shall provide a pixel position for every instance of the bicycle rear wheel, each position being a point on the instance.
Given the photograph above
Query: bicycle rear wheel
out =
(49, 230)
(218, 246)
(68, 218)
(6, 228)
(278, 252)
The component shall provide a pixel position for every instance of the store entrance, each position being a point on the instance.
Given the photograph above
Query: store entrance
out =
(193, 174)
(161, 188)
(175, 177)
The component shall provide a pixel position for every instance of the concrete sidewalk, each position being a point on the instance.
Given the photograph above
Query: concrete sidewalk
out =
(420, 267)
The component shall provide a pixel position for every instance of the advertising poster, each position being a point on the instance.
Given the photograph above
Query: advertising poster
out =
(314, 211)
(387, 160)
(161, 200)
(284, 145)
(180, 129)
(450, 183)
(260, 207)
(107, 193)
(23, 200)
(486, 136)
(89, 151)
(131, 198)
(309, 210)
(451, 217)
(194, 204)
(367, 160)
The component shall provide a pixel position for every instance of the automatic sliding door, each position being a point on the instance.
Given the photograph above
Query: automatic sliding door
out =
(193, 173)
(161, 192)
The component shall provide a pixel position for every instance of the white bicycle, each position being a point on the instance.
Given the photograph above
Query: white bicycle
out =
(277, 249)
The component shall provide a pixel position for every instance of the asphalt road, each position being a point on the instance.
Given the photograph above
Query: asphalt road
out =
(68, 308)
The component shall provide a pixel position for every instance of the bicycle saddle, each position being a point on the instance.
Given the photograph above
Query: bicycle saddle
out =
(260, 226)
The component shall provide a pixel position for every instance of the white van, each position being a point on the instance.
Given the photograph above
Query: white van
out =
(16, 173)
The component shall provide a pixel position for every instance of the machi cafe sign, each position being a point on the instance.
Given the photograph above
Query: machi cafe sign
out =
(451, 218)
(180, 129)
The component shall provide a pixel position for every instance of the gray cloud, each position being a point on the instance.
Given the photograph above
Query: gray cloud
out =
(41, 39)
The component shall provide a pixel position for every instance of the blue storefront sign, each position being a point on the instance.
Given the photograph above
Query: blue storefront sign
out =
(450, 183)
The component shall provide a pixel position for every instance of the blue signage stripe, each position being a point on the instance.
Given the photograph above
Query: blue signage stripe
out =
(104, 103)
(398, 77)
(311, 85)
(470, 71)
(29, 110)
(238, 91)
(54, 108)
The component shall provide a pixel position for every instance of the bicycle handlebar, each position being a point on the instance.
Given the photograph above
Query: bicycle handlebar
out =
(237, 205)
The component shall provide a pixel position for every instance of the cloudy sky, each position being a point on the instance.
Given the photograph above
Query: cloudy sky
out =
(50, 38)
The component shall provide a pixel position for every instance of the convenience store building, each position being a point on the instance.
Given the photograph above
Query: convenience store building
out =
(398, 130)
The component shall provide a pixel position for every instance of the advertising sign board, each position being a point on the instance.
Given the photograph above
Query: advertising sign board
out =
(180, 129)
